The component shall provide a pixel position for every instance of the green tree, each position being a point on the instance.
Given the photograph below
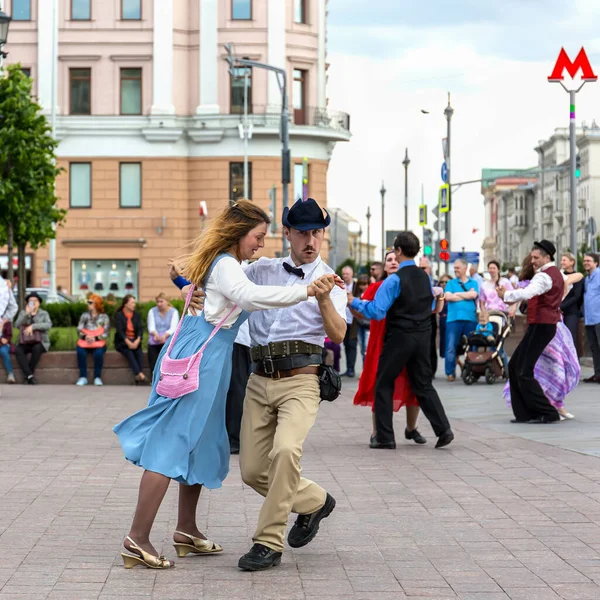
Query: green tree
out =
(27, 171)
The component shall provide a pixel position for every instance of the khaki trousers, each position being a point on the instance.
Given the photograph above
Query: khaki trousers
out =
(278, 414)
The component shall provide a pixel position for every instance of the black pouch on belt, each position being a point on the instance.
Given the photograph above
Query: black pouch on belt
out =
(330, 383)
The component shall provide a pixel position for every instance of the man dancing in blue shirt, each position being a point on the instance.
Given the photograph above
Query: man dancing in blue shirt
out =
(405, 300)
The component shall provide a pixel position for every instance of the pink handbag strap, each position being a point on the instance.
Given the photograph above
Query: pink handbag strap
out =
(210, 337)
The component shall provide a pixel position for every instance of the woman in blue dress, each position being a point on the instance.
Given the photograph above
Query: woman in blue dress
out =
(185, 438)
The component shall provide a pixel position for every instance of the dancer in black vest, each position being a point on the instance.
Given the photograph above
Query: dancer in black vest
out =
(405, 299)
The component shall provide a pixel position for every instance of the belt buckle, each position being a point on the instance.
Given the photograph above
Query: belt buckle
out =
(269, 368)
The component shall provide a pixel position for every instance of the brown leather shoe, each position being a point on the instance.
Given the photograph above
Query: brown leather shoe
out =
(451, 378)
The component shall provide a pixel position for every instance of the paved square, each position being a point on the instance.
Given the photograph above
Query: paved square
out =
(491, 517)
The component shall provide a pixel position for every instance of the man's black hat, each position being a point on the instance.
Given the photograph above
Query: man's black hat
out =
(547, 247)
(305, 215)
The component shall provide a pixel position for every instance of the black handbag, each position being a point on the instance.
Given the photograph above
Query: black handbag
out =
(330, 383)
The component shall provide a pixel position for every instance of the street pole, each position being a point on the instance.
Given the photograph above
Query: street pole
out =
(246, 132)
(382, 191)
(573, 182)
(335, 239)
(449, 111)
(406, 162)
(360, 232)
(52, 295)
(369, 234)
(281, 75)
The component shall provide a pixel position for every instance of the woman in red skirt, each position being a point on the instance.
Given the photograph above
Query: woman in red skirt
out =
(403, 396)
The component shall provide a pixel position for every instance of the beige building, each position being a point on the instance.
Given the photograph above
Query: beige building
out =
(148, 120)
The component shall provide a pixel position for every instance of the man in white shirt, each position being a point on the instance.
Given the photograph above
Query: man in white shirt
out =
(351, 337)
(282, 399)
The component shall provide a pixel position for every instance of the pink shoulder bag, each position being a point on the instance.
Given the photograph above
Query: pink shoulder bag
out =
(179, 376)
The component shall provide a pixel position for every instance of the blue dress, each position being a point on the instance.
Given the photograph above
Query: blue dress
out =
(186, 438)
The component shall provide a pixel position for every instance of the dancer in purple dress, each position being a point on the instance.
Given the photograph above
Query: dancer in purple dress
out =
(557, 369)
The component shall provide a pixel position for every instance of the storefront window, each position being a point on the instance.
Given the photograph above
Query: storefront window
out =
(117, 277)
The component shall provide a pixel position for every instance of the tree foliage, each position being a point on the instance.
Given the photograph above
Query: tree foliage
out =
(27, 165)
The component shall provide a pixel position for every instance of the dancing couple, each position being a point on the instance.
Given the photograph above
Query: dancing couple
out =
(293, 303)
(406, 300)
(544, 366)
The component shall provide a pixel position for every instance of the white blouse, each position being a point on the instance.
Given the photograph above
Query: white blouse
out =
(228, 286)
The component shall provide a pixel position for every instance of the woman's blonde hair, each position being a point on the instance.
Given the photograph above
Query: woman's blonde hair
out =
(162, 296)
(235, 222)
(570, 256)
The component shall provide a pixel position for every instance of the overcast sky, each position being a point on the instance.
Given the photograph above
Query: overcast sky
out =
(390, 59)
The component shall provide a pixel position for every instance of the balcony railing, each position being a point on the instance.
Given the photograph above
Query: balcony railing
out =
(270, 116)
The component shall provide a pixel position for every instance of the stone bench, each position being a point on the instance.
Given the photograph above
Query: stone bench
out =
(61, 368)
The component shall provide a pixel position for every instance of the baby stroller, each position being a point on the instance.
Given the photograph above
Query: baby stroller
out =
(482, 350)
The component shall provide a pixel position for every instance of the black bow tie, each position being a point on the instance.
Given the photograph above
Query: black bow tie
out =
(294, 270)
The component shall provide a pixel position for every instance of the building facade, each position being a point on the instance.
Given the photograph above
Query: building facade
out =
(546, 212)
(148, 118)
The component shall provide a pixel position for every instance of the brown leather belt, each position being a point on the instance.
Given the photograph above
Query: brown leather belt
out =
(310, 370)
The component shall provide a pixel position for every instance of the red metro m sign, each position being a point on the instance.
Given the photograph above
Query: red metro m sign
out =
(564, 63)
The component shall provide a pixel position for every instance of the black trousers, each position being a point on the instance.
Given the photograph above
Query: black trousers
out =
(413, 352)
(135, 358)
(153, 353)
(433, 351)
(241, 368)
(572, 323)
(593, 336)
(527, 398)
(350, 346)
(35, 351)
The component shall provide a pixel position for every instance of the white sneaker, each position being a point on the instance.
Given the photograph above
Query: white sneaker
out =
(98, 381)
(10, 378)
(82, 381)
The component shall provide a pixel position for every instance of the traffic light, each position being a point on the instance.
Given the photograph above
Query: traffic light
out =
(444, 253)
(422, 215)
(427, 242)
(577, 165)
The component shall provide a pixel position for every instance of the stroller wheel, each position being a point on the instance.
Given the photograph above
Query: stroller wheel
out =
(490, 378)
(467, 375)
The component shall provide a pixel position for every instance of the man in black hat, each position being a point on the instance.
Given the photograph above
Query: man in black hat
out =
(283, 394)
(544, 295)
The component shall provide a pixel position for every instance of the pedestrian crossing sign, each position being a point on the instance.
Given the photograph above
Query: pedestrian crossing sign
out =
(444, 198)
(423, 215)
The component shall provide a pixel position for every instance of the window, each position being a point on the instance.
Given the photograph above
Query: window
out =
(131, 91)
(81, 10)
(299, 93)
(80, 84)
(241, 10)
(131, 10)
(300, 11)
(238, 77)
(236, 181)
(26, 71)
(80, 185)
(21, 10)
(130, 185)
(117, 276)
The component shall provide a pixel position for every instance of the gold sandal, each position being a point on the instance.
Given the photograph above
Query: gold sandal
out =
(198, 546)
(146, 559)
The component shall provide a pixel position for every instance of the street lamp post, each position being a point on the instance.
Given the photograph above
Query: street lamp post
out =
(406, 162)
(382, 191)
(281, 75)
(4, 24)
(449, 111)
(360, 232)
(368, 234)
